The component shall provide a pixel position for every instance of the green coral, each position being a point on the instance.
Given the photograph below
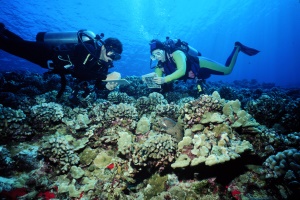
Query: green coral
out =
(87, 156)
(102, 160)
(156, 185)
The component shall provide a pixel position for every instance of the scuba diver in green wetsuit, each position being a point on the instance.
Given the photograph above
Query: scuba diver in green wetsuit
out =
(82, 54)
(175, 62)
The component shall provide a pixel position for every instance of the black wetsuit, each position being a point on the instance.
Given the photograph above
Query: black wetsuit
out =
(83, 58)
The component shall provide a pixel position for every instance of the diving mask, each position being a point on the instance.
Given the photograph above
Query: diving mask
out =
(157, 54)
(111, 53)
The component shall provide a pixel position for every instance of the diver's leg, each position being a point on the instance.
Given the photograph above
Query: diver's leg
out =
(212, 67)
(232, 57)
(230, 62)
(7, 33)
(11, 35)
(73, 97)
(86, 89)
(239, 47)
(217, 68)
(34, 52)
(2, 28)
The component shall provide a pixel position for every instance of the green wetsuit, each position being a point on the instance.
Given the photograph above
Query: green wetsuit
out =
(206, 66)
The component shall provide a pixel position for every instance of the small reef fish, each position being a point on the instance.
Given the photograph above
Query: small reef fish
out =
(172, 128)
(167, 123)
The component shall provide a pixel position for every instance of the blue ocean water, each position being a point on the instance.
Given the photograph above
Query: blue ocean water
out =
(210, 26)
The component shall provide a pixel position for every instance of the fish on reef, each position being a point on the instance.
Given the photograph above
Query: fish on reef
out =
(172, 128)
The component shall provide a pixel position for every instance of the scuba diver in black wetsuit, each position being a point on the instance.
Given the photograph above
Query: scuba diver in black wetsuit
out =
(84, 55)
(175, 62)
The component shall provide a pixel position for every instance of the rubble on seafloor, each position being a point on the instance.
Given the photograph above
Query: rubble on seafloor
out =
(144, 148)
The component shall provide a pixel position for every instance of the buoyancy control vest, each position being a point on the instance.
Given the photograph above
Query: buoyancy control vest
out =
(192, 62)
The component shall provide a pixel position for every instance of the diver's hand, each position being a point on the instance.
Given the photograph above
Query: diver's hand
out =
(111, 85)
(159, 80)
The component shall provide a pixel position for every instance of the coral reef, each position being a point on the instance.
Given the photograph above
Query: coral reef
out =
(286, 165)
(12, 125)
(272, 110)
(157, 151)
(146, 105)
(6, 162)
(237, 141)
(143, 126)
(76, 118)
(211, 134)
(119, 97)
(42, 116)
(124, 115)
(192, 112)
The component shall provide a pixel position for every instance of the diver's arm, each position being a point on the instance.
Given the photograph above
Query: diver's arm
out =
(180, 61)
(159, 72)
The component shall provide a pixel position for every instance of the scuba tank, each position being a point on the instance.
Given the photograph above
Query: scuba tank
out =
(70, 37)
(183, 45)
(192, 51)
(65, 41)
